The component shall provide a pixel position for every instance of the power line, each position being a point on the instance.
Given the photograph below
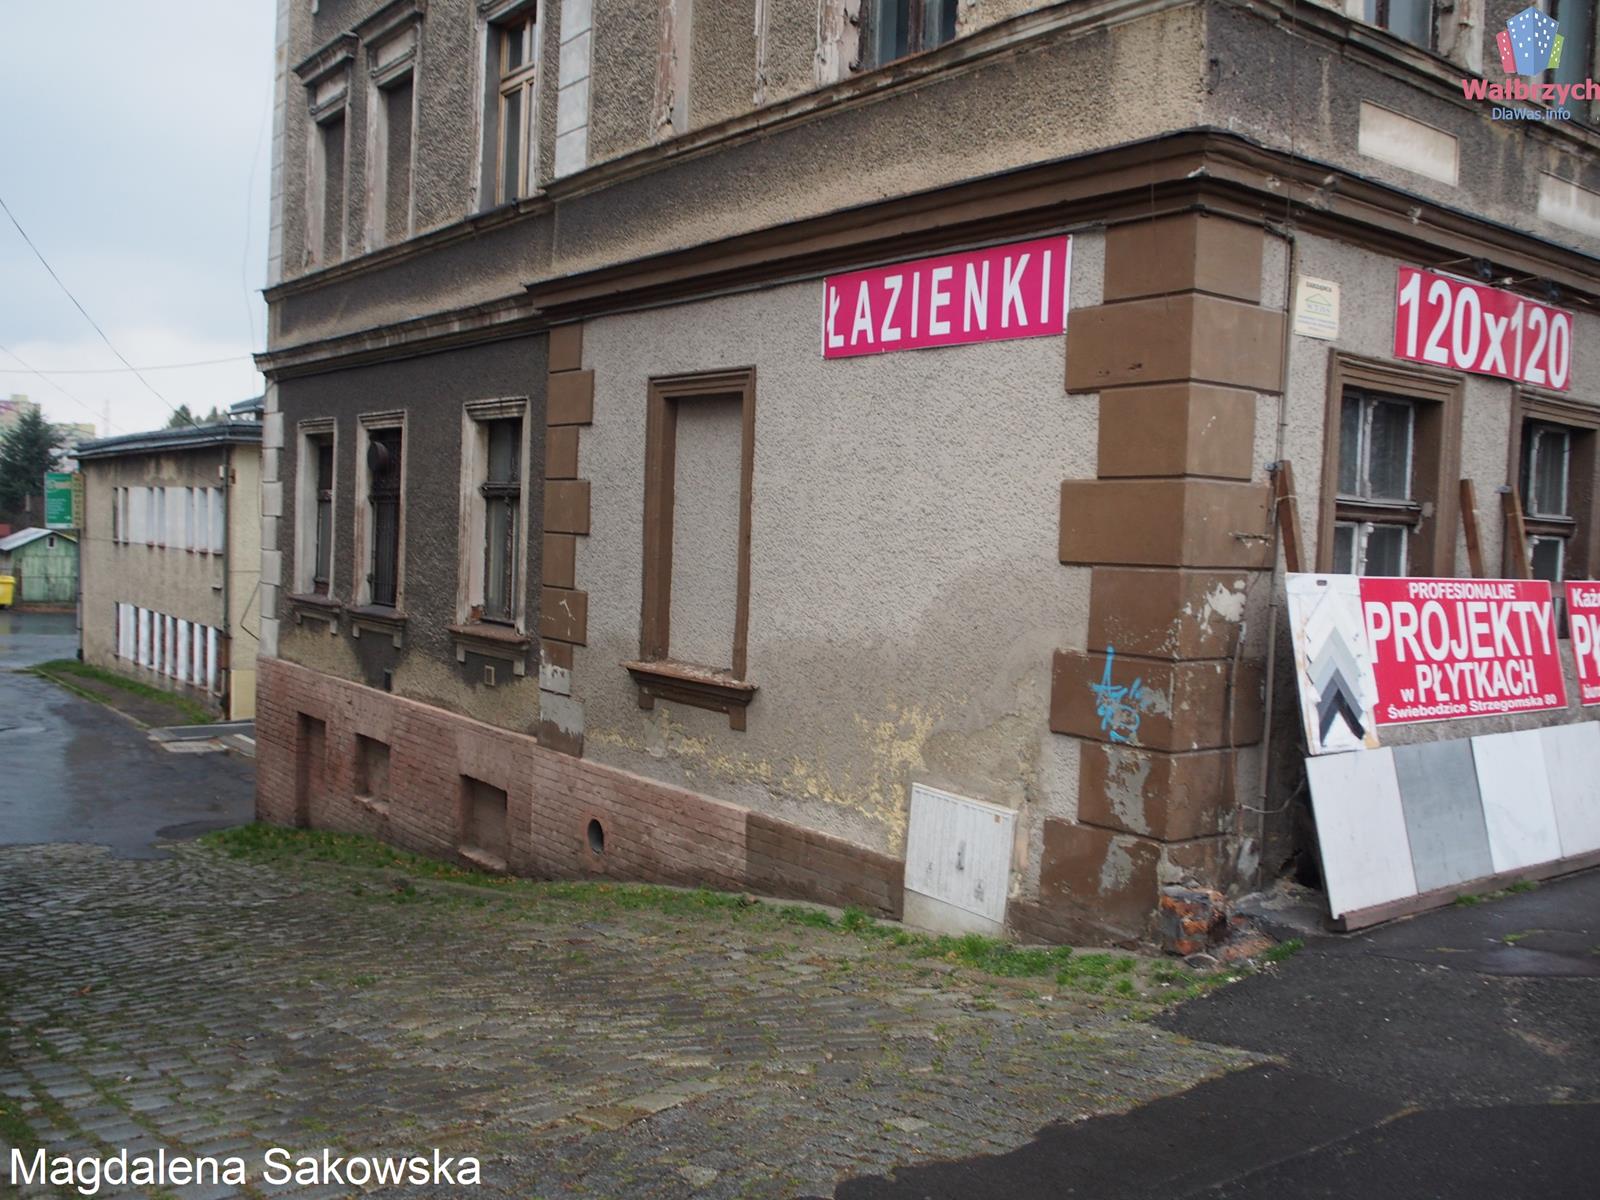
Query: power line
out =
(199, 362)
(68, 293)
(110, 428)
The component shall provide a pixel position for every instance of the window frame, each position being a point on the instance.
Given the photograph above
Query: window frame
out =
(312, 435)
(476, 418)
(525, 80)
(1581, 423)
(874, 26)
(1435, 459)
(366, 522)
(656, 672)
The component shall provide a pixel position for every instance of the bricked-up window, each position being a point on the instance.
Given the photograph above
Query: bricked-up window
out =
(396, 206)
(515, 46)
(1390, 470)
(383, 499)
(699, 462)
(1411, 20)
(896, 28)
(328, 190)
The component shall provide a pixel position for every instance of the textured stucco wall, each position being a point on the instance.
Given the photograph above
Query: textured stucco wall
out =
(181, 583)
(433, 390)
(905, 591)
(1316, 90)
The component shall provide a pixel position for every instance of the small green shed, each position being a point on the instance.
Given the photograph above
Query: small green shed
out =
(44, 563)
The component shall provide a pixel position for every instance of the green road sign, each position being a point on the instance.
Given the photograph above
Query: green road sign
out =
(63, 499)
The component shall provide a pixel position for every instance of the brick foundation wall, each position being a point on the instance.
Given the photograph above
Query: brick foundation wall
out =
(307, 724)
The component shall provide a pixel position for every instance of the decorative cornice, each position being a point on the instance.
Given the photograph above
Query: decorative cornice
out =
(321, 63)
(390, 19)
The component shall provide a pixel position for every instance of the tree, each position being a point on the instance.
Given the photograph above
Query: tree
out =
(182, 418)
(27, 451)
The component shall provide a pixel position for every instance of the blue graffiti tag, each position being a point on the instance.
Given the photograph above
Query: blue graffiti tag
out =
(1117, 707)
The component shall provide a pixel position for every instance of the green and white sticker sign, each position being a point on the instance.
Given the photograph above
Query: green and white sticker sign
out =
(63, 499)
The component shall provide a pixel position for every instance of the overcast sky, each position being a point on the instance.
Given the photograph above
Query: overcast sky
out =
(134, 149)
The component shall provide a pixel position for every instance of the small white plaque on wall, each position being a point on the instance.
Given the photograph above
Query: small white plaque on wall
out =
(958, 851)
(1316, 308)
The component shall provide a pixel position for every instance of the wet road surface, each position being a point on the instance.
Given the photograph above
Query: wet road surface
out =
(72, 771)
(1453, 1055)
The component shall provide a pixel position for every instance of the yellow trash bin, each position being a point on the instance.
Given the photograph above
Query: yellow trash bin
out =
(8, 588)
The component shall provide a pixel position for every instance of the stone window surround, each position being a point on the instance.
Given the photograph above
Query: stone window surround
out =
(655, 672)
(307, 433)
(391, 39)
(363, 610)
(474, 463)
(326, 75)
(490, 15)
(1436, 455)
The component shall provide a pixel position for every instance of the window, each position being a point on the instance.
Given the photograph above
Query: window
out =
(1390, 485)
(1546, 506)
(1576, 18)
(896, 28)
(516, 50)
(1375, 508)
(385, 478)
(1553, 464)
(495, 519)
(699, 462)
(117, 523)
(328, 190)
(315, 482)
(1411, 20)
(326, 76)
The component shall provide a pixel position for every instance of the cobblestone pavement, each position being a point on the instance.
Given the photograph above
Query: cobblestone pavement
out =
(217, 1006)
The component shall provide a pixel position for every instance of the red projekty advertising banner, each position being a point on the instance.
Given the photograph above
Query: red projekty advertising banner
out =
(1583, 623)
(1468, 327)
(1448, 648)
(989, 295)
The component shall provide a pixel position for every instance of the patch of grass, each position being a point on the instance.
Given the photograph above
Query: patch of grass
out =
(1468, 899)
(1511, 939)
(14, 1128)
(66, 670)
(1283, 950)
(1523, 885)
(1092, 974)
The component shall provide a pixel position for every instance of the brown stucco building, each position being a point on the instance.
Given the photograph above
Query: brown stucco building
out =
(582, 558)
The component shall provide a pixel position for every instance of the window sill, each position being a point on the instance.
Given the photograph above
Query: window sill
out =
(372, 804)
(386, 622)
(492, 641)
(317, 607)
(700, 687)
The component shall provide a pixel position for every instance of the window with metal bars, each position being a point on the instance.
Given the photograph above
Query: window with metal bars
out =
(383, 473)
(502, 506)
(1374, 506)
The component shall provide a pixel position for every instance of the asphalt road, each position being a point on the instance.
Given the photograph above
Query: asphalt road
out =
(72, 771)
(1453, 1055)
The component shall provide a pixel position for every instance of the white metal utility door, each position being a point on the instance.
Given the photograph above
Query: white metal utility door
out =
(959, 851)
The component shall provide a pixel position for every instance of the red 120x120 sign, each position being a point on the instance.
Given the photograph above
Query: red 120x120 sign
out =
(1449, 322)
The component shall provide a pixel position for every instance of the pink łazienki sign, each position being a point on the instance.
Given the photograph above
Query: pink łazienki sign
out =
(990, 295)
